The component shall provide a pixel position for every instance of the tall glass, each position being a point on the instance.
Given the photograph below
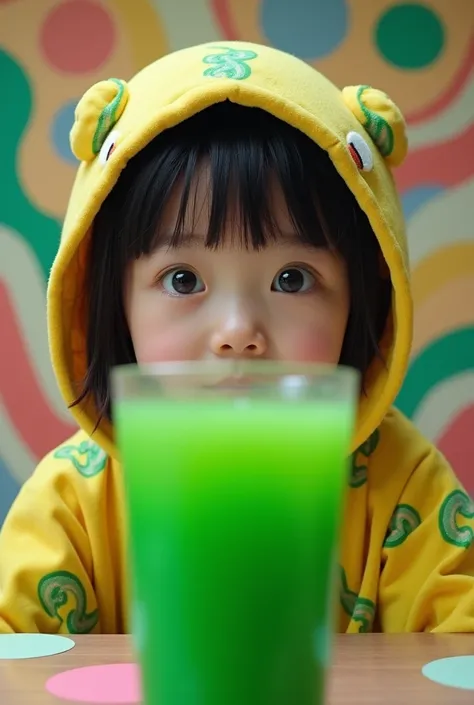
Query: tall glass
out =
(235, 476)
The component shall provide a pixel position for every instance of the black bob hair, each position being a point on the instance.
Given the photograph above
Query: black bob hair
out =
(244, 148)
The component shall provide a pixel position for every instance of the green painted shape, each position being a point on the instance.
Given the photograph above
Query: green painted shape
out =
(55, 590)
(444, 358)
(86, 457)
(457, 504)
(404, 521)
(359, 609)
(39, 230)
(410, 36)
(229, 63)
(360, 460)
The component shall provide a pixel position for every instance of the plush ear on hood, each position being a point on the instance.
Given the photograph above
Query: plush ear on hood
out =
(96, 114)
(382, 120)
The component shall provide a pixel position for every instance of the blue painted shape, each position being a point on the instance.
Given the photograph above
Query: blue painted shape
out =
(61, 126)
(8, 490)
(309, 29)
(21, 646)
(417, 197)
(454, 672)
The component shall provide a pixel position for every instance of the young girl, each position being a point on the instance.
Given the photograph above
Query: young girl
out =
(231, 202)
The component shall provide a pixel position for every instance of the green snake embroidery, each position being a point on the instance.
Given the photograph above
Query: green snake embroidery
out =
(87, 457)
(54, 590)
(359, 609)
(378, 128)
(404, 521)
(457, 503)
(107, 118)
(359, 469)
(229, 63)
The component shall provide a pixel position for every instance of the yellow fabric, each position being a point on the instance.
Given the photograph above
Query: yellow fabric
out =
(407, 562)
(96, 112)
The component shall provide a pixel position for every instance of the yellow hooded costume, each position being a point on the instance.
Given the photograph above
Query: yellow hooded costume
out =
(407, 558)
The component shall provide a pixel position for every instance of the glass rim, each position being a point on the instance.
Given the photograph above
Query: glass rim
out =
(233, 368)
(224, 379)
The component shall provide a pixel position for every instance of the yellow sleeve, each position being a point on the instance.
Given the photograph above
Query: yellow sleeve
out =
(45, 556)
(427, 576)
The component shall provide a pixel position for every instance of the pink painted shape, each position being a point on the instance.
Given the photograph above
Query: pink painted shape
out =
(444, 164)
(116, 684)
(223, 14)
(38, 426)
(457, 444)
(77, 36)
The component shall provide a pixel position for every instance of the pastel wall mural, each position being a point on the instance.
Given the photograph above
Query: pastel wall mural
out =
(421, 53)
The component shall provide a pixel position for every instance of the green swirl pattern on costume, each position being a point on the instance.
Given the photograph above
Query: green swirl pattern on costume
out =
(359, 467)
(404, 521)
(359, 609)
(229, 63)
(55, 591)
(107, 118)
(87, 457)
(378, 128)
(456, 504)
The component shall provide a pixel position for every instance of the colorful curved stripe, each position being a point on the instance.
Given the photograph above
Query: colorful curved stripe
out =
(40, 429)
(454, 119)
(29, 304)
(21, 462)
(445, 164)
(40, 231)
(9, 490)
(417, 197)
(455, 261)
(144, 30)
(457, 445)
(464, 73)
(444, 358)
(449, 307)
(444, 403)
(443, 221)
(220, 8)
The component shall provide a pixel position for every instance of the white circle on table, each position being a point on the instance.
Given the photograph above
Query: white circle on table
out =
(454, 672)
(22, 646)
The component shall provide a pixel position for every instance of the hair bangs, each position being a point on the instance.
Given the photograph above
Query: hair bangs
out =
(246, 160)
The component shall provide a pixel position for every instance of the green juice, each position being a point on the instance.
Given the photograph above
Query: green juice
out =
(234, 510)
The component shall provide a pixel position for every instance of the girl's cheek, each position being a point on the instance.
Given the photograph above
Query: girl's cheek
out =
(313, 347)
(162, 347)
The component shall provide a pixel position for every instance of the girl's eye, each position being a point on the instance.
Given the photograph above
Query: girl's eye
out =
(293, 280)
(182, 282)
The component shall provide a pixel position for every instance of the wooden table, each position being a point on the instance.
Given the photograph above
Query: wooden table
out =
(368, 669)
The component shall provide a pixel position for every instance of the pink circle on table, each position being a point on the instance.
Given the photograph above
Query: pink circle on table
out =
(77, 36)
(117, 684)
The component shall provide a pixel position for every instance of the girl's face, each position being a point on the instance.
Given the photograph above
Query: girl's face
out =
(288, 302)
